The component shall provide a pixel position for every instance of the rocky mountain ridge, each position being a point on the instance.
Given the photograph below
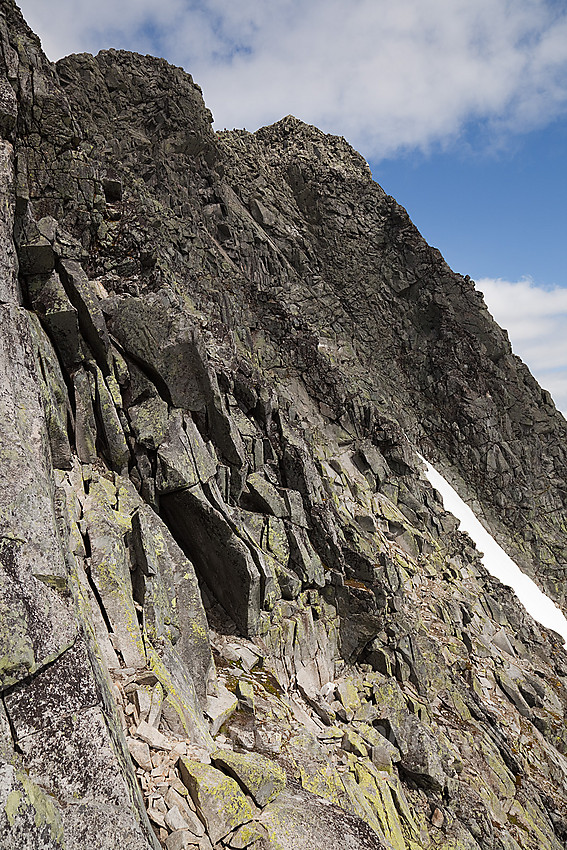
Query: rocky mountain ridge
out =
(234, 612)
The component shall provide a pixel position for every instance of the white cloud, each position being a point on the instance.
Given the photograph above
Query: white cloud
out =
(387, 75)
(495, 559)
(536, 321)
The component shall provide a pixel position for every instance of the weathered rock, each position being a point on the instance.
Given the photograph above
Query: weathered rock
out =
(85, 425)
(48, 297)
(149, 421)
(220, 708)
(85, 300)
(54, 397)
(421, 754)
(192, 822)
(8, 109)
(156, 333)
(110, 569)
(140, 752)
(282, 339)
(36, 256)
(261, 778)
(219, 801)
(183, 457)
(152, 736)
(37, 622)
(220, 557)
(167, 584)
(68, 750)
(266, 496)
(298, 819)
(245, 694)
(113, 434)
(9, 289)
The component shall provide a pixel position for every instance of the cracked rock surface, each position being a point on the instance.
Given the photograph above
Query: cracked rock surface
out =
(233, 612)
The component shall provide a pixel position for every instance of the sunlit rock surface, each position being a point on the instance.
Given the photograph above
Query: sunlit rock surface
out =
(234, 612)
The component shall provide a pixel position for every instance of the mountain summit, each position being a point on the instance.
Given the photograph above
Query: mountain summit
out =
(234, 612)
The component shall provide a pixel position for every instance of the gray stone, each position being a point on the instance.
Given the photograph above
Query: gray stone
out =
(245, 694)
(8, 109)
(73, 758)
(37, 621)
(421, 754)
(174, 819)
(192, 822)
(260, 777)
(83, 297)
(181, 839)
(54, 397)
(184, 460)
(149, 421)
(266, 496)
(110, 569)
(85, 425)
(62, 689)
(115, 442)
(296, 508)
(300, 819)
(152, 736)
(9, 288)
(157, 333)
(220, 708)
(36, 257)
(220, 557)
(219, 800)
(171, 596)
(500, 640)
(48, 297)
(304, 558)
(140, 752)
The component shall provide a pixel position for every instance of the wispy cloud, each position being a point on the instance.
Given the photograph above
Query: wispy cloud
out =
(536, 321)
(389, 76)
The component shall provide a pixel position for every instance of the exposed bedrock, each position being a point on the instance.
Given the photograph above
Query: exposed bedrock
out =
(233, 612)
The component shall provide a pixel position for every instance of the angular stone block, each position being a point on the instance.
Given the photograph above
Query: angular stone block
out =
(260, 777)
(219, 800)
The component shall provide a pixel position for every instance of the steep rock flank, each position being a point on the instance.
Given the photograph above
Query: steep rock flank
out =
(417, 332)
(234, 611)
(312, 252)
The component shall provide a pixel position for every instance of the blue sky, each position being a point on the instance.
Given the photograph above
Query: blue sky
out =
(460, 106)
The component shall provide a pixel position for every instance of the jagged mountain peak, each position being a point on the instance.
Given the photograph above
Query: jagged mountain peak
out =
(233, 611)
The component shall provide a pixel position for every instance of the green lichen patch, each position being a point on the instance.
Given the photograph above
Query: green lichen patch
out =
(260, 777)
(219, 800)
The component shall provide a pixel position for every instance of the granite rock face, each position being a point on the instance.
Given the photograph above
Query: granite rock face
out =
(233, 611)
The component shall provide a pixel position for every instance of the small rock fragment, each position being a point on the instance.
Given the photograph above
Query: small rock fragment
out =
(140, 752)
(181, 839)
(156, 816)
(437, 818)
(175, 820)
(245, 694)
(152, 736)
(220, 708)
(174, 799)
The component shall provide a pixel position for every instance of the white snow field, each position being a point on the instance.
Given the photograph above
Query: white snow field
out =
(495, 559)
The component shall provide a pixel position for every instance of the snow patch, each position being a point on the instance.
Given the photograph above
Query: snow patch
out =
(495, 559)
